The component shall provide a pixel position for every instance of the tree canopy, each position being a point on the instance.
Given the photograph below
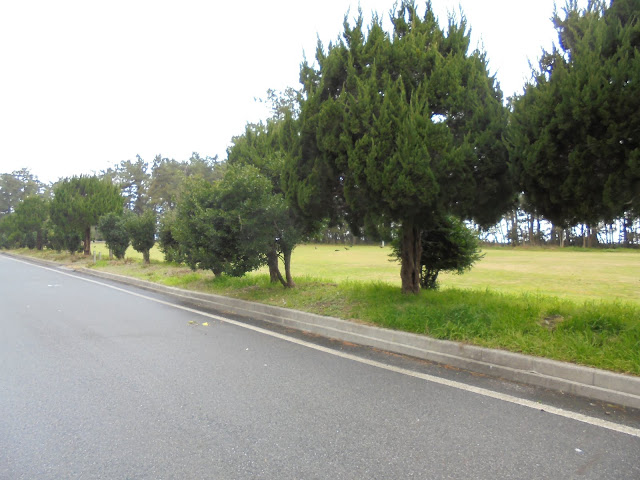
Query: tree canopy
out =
(265, 147)
(235, 224)
(227, 226)
(142, 232)
(403, 127)
(30, 220)
(114, 230)
(15, 187)
(79, 202)
(573, 135)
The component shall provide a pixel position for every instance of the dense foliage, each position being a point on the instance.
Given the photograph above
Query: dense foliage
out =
(15, 187)
(114, 230)
(142, 232)
(266, 147)
(574, 131)
(79, 202)
(167, 242)
(449, 246)
(226, 227)
(403, 126)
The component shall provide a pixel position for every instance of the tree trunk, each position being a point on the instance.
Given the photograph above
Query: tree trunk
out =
(531, 238)
(87, 241)
(593, 237)
(561, 237)
(611, 240)
(410, 253)
(272, 263)
(514, 233)
(625, 230)
(147, 257)
(287, 268)
(39, 241)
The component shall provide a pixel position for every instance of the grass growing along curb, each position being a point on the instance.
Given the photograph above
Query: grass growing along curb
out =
(602, 334)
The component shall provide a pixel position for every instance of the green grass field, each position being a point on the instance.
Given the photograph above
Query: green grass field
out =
(581, 306)
(568, 273)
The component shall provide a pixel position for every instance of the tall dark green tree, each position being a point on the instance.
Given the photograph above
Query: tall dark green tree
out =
(15, 187)
(31, 216)
(133, 179)
(573, 134)
(79, 202)
(167, 176)
(401, 127)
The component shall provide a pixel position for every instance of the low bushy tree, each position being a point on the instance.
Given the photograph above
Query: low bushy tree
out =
(218, 224)
(167, 240)
(265, 147)
(61, 239)
(142, 232)
(114, 230)
(450, 246)
(6, 231)
(232, 226)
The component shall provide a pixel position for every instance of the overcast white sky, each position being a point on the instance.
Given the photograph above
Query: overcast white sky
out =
(86, 84)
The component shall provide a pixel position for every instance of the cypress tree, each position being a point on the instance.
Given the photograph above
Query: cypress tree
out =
(573, 134)
(79, 202)
(403, 126)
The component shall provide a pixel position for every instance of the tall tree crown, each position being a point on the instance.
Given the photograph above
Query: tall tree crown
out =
(573, 133)
(400, 124)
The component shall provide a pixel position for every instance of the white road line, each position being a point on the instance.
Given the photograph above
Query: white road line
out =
(423, 376)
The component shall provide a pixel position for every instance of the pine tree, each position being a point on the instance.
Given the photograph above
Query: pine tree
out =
(573, 134)
(79, 202)
(402, 127)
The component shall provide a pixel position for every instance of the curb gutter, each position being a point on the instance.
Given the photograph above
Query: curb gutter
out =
(582, 381)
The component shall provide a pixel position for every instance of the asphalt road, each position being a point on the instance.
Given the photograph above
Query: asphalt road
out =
(97, 382)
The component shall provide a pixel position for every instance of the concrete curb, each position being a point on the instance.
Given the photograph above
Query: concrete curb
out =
(565, 377)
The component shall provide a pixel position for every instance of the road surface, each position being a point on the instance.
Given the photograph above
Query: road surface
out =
(102, 381)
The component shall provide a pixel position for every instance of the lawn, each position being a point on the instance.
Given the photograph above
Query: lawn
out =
(575, 305)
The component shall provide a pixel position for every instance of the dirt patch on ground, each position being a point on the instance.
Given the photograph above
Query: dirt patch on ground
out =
(551, 322)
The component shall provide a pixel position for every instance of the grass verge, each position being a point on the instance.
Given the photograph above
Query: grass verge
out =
(602, 334)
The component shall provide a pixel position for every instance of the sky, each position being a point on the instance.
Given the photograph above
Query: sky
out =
(87, 84)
